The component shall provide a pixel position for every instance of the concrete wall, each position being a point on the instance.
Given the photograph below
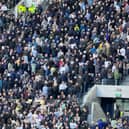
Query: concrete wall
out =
(97, 112)
(90, 96)
(93, 103)
(109, 91)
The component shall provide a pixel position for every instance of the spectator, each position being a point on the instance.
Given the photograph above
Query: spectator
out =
(71, 46)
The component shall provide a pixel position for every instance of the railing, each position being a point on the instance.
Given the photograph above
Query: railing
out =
(112, 82)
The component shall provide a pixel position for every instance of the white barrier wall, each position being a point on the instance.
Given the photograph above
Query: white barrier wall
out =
(110, 91)
(28, 3)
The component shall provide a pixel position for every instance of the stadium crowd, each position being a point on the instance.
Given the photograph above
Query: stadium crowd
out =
(8, 4)
(49, 59)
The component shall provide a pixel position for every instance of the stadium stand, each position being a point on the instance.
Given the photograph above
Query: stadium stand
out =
(48, 59)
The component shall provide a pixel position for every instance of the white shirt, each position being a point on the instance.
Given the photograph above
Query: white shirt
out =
(73, 125)
(62, 86)
(19, 127)
(113, 68)
(107, 63)
(122, 51)
(62, 69)
(4, 8)
(45, 91)
(128, 38)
